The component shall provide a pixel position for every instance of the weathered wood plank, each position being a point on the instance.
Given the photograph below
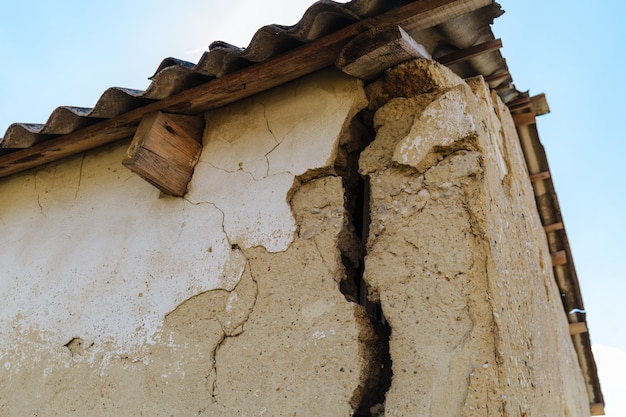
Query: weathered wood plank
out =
(164, 153)
(289, 66)
(369, 54)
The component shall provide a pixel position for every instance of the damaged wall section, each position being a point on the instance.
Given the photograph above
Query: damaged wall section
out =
(224, 302)
(457, 257)
(240, 298)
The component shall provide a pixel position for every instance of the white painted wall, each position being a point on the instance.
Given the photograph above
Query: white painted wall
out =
(90, 250)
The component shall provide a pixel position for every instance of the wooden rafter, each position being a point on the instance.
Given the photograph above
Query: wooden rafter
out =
(471, 52)
(553, 227)
(540, 176)
(522, 119)
(559, 258)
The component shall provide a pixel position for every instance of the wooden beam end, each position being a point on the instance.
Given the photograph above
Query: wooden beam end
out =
(165, 150)
(596, 409)
(370, 53)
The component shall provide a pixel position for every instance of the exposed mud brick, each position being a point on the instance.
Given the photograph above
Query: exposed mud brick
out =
(303, 343)
(458, 260)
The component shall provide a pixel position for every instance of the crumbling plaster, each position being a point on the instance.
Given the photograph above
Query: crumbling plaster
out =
(457, 257)
(122, 301)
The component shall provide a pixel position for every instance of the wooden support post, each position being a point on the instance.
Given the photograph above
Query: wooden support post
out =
(471, 52)
(544, 175)
(553, 227)
(577, 328)
(559, 258)
(165, 150)
(369, 54)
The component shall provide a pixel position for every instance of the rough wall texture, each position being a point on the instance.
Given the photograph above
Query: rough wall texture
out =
(457, 257)
(239, 299)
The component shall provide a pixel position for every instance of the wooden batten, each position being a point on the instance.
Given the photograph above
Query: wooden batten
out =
(577, 328)
(369, 54)
(165, 150)
(553, 227)
(559, 258)
(540, 176)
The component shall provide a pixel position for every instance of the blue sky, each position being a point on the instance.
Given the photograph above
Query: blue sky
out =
(69, 52)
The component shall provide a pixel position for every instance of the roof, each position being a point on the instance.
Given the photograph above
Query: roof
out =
(456, 33)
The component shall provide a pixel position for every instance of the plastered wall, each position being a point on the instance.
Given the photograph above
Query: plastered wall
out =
(240, 299)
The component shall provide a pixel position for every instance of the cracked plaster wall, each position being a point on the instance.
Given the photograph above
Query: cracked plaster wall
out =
(121, 301)
(118, 299)
(457, 256)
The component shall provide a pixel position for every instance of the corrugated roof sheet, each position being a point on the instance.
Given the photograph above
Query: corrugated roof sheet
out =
(175, 75)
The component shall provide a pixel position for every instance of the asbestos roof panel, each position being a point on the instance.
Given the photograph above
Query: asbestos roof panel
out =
(174, 75)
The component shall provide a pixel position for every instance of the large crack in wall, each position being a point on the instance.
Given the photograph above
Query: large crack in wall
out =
(450, 229)
(283, 309)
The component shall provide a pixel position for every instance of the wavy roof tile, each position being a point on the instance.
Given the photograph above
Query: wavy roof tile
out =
(174, 75)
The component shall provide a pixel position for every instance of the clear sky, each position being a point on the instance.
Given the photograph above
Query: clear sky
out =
(68, 52)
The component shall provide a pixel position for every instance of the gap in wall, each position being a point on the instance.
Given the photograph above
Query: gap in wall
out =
(354, 287)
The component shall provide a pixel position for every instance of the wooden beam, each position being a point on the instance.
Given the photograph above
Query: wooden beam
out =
(523, 119)
(558, 258)
(522, 106)
(471, 52)
(289, 66)
(540, 104)
(553, 227)
(163, 152)
(369, 54)
(500, 75)
(522, 98)
(596, 409)
(577, 328)
(540, 176)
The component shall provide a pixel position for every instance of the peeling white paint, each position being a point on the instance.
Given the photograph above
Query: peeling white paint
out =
(108, 265)
(91, 250)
